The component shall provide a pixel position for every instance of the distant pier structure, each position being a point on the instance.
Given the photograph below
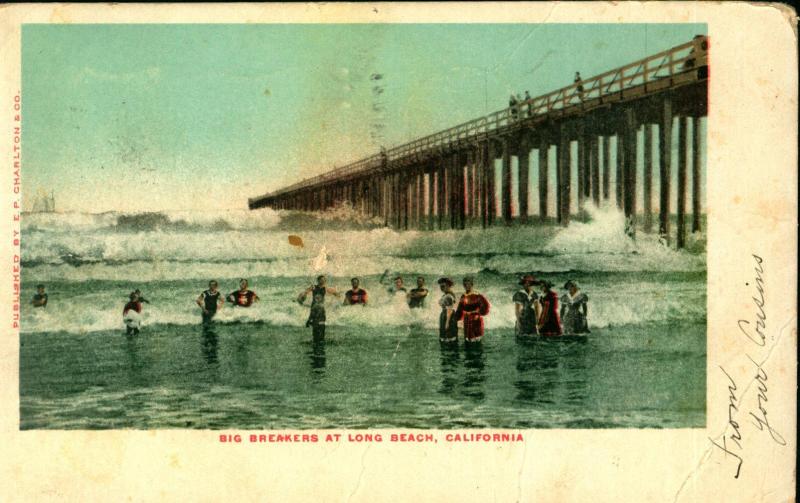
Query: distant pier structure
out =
(463, 176)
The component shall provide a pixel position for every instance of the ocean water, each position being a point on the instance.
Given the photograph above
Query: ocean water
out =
(643, 365)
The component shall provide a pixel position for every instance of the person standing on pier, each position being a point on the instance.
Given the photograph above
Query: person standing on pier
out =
(527, 103)
(355, 295)
(527, 307)
(472, 308)
(579, 86)
(316, 316)
(512, 105)
(448, 324)
(574, 309)
(416, 297)
(549, 322)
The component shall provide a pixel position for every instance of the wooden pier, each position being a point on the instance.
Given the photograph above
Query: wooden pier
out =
(463, 176)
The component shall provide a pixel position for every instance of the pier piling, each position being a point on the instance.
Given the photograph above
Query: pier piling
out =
(648, 177)
(449, 179)
(665, 168)
(682, 141)
(696, 175)
(524, 170)
(544, 147)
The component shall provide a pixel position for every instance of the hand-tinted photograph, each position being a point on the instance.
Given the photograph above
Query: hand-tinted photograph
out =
(364, 226)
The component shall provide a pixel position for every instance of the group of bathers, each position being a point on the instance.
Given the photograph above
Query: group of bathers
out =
(540, 313)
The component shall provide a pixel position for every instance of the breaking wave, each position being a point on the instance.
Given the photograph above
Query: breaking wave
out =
(172, 255)
(182, 245)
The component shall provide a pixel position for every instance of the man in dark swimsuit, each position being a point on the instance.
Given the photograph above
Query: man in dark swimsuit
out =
(526, 307)
(355, 295)
(242, 297)
(316, 316)
(40, 299)
(209, 301)
(416, 297)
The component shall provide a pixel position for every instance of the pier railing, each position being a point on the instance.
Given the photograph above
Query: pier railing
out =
(661, 68)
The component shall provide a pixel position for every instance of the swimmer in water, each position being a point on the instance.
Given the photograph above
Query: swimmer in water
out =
(141, 297)
(549, 322)
(355, 295)
(209, 301)
(40, 298)
(242, 297)
(132, 322)
(448, 325)
(526, 307)
(416, 297)
(398, 287)
(316, 316)
(574, 309)
(472, 308)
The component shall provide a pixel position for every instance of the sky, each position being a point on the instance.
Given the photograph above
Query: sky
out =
(191, 117)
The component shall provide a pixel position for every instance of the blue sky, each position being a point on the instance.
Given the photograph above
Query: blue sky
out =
(159, 117)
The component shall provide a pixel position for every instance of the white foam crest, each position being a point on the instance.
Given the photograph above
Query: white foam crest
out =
(598, 245)
(340, 266)
(604, 232)
(149, 271)
(345, 212)
(237, 219)
(604, 236)
(343, 250)
(158, 245)
(642, 302)
(67, 221)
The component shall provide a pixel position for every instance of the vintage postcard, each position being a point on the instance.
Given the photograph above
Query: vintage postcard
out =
(397, 252)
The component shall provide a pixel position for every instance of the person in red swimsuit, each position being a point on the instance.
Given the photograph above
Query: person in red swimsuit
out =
(132, 324)
(549, 322)
(472, 308)
(355, 295)
(242, 297)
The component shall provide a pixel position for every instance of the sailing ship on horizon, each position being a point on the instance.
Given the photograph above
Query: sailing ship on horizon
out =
(43, 202)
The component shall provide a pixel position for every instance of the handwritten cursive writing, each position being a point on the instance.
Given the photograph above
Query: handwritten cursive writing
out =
(761, 420)
(736, 436)
(759, 300)
(755, 330)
